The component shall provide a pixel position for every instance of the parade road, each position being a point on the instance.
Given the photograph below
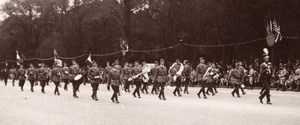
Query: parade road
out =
(27, 108)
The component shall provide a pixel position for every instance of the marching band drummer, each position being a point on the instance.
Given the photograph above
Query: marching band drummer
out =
(42, 76)
(209, 77)
(74, 71)
(186, 75)
(21, 76)
(115, 81)
(173, 70)
(200, 71)
(95, 75)
(55, 75)
(137, 69)
(162, 78)
(31, 73)
(66, 75)
(126, 73)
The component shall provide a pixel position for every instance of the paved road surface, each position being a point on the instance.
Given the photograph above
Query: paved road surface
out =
(27, 108)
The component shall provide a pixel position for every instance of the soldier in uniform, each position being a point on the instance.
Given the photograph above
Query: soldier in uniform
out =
(74, 71)
(154, 72)
(115, 81)
(138, 81)
(126, 73)
(66, 76)
(95, 76)
(173, 70)
(5, 75)
(297, 77)
(162, 78)
(31, 73)
(21, 76)
(145, 84)
(265, 78)
(200, 71)
(235, 77)
(13, 74)
(56, 76)
(186, 75)
(107, 69)
(209, 77)
(42, 76)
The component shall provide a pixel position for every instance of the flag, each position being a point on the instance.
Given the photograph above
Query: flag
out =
(89, 59)
(55, 53)
(124, 46)
(19, 59)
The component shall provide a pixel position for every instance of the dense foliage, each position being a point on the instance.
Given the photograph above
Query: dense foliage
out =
(74, 27)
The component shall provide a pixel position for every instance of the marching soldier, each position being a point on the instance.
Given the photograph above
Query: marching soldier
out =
(74, 71)
(107, 69)
(209, 77)
(115, 81)
(126, 73)
(265, 78)
(56, 76)
(186, 75)
(173, 70)
(137, 69)
(42, 76)
(5, 75)
(297, 77)
(235, 77)
(31, 73)
(154, 72)
(66, 76)
(95, 76)
(162, 78)
(200, 71)
(145, 84)
(13, 74)
(21, 75)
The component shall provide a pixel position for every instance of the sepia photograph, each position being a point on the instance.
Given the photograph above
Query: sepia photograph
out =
(149, 62)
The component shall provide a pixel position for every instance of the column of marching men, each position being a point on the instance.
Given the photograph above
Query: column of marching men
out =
(124, 78)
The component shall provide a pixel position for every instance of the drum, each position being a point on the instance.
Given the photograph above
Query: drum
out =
(78, 77)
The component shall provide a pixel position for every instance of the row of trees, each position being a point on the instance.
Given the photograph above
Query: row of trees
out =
(73, 27)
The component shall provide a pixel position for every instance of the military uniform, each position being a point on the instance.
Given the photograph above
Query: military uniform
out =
(138, 81)
(31, 73)
(42, 77)
(162, 78)
(95, 75)
(21, 77)
(265, 78)
(210, 73)
(56, 78)
(66, 76)
(200, 71)
(74, 71)
(13, 75)
(235, 77)
(186, 77)
(5, 74)
(107, 69)
(126, 71)
(177, 82)
(115, 81)
(154, 72)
